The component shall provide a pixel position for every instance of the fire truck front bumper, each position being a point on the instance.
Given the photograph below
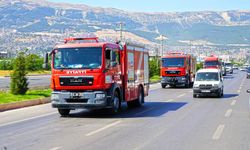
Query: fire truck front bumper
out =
(173, 80)
(78, 100)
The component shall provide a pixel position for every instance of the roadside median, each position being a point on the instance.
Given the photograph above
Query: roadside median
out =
(33, 97)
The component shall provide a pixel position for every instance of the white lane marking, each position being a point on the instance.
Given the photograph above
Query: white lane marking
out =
(218, 132)
(55, 148)
(18, 121)
(142, 112)
(169, 100)
(104, 128)
(2, 77)
(181, 95)
(240, 88)
(228, 113)
(238, 91)
(233, 103)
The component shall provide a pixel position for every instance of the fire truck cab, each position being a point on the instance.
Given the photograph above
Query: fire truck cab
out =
(213, 62)
(94, 75)
(178, 69)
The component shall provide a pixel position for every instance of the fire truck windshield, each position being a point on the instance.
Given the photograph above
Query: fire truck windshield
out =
(173, 62)
(78, 58)
(211, 63)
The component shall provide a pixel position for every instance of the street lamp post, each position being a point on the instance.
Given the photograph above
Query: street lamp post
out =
(161, 38)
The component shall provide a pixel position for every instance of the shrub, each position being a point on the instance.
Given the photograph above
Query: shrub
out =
(19, 83)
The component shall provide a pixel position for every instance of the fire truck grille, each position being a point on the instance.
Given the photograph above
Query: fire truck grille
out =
(206, 86)
(77, 100)
(76, 81)
(173, 72)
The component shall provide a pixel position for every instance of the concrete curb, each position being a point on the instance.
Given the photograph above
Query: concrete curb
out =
(22, 104)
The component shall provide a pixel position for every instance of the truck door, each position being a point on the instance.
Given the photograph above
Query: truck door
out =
(112, 63)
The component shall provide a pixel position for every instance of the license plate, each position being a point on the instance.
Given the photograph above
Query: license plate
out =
(205, 91)
(76, 95)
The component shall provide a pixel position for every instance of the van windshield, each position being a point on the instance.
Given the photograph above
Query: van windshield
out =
(207, 76)
(78, 58)
(173, 62)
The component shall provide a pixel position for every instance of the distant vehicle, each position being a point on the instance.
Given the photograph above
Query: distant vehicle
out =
(235, 67)
(223, 69)
(243, 68)
(229, 68)
(212, 62)
(248, 72)
(208, 82)
(178, 69)
(97, 75)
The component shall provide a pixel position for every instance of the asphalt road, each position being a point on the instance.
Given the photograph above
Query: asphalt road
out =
(171, 119)
(34, 81)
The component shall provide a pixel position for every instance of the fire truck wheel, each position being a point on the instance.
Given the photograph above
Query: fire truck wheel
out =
(64, 112)
(139, 102)
(116, 103)
(163, 86)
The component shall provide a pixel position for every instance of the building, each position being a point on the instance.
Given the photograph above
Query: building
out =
(3, 54)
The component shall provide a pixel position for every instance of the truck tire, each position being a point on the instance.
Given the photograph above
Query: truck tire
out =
(64, 112)
(116, 103)
(222, 92)
(139, 102)
(163, 86)
(194, 95)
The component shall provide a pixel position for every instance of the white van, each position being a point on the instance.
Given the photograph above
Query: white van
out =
(208, 82)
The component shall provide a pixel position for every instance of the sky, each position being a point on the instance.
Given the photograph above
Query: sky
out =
(166, 5)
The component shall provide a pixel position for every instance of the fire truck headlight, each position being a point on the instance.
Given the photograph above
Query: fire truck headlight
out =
(54, 97)
(100, 96)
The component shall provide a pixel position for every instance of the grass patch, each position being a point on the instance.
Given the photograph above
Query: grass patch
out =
(155, 79)
(7, 72)
(6, 97)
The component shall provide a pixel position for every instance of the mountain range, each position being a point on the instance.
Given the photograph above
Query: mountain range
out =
(31, 16)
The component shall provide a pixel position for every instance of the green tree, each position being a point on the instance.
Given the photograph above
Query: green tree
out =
(19, 83)
(6, 64)
(199, 66)
(154, 67)
(34, 62)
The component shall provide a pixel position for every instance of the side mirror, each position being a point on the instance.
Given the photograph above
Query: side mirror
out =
(46, 61)
(248, 91)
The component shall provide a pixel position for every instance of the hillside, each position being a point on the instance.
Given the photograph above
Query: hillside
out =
(26, 17)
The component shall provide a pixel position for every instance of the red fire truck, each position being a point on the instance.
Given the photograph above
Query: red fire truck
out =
(178, 69)
(212, 62)
(97, 75)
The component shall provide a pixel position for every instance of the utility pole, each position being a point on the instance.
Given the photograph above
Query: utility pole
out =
(161, 38)
(121, 26)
